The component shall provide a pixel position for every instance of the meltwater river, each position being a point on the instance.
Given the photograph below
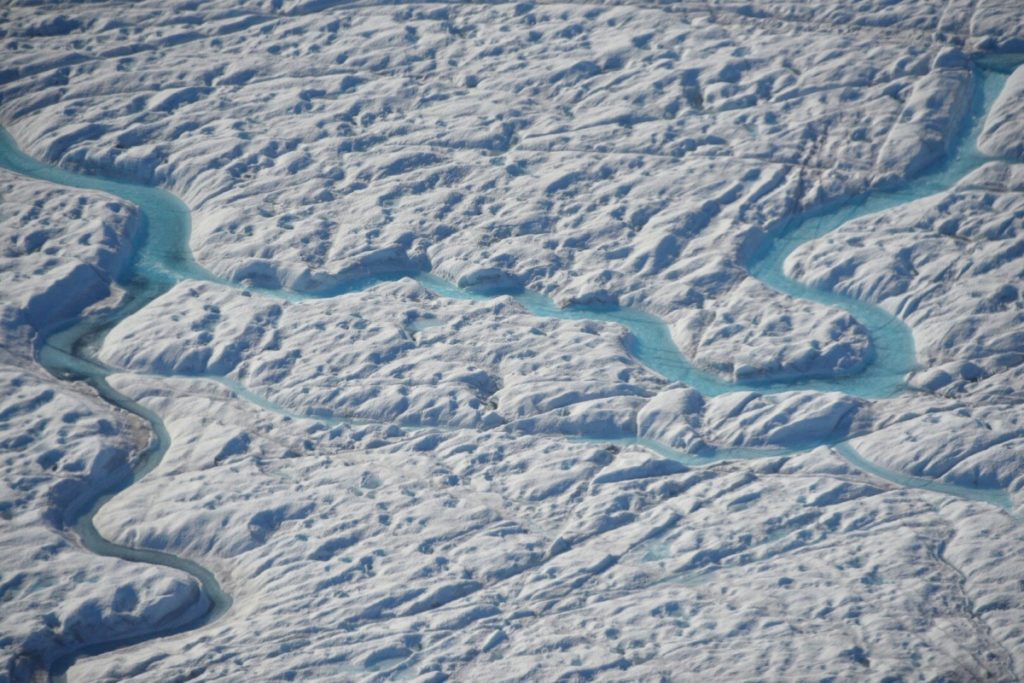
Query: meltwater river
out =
(161, 257)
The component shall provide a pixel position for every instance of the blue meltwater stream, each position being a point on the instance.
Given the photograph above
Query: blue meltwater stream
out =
(162, 257)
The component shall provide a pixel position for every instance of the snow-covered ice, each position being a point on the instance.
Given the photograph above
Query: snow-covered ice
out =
(389, 448)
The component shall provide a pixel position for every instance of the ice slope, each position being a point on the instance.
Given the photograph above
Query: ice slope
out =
(1002, 134)
(361, 554)
(451, 529)
(590, 152)
(60, 251)
(950, 265)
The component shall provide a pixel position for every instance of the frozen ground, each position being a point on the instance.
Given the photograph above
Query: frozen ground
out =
(408, 481)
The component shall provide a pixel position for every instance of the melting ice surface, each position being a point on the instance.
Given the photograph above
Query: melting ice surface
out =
(160, 260)
(162, 257)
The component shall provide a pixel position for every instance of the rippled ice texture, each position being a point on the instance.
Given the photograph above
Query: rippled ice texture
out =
(417, 477)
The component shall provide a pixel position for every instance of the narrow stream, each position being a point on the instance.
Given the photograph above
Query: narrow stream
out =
(66, 352)
(162, 257)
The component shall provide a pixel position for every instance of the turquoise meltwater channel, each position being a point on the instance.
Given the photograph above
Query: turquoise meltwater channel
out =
(161, 257)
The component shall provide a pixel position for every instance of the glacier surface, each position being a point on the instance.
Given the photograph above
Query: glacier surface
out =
(512, 341)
